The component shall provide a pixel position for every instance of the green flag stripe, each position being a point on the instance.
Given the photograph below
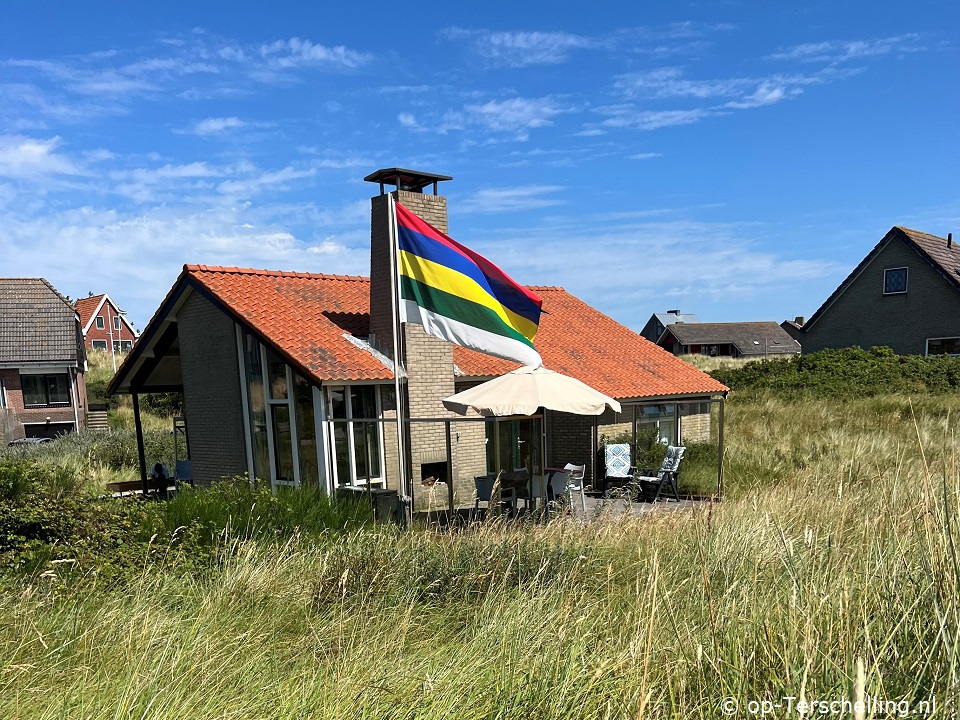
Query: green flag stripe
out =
(457, 308)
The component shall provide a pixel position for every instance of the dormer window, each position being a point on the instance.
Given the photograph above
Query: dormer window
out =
(894, 281)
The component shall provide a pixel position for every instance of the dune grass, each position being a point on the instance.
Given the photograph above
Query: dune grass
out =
(836, 546)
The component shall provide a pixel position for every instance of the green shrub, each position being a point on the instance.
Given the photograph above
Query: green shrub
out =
(849, 372)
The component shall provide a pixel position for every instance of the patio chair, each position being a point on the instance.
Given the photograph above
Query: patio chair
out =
(516, 485)
(667, 474)
(491, 491)
(618, 469)
(575, 475)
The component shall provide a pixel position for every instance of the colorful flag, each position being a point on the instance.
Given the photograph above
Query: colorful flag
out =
(462, 297)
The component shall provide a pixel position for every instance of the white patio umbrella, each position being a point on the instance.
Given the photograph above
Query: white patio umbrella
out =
(526, 390)
(523, 391)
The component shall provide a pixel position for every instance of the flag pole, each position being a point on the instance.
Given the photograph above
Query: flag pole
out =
(405, 491)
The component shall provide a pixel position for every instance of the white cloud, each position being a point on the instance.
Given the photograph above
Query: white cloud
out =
(25, 157)
(511, 199)
(670, 83)
(296, 53)
(519, 49)
(216, 126)
(631, 119)
(644, 156)
(767, 93)
(836, 51)
(514, 114)
(273, 179)
(407, 120)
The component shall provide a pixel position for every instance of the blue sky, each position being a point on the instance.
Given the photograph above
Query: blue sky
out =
(733, 160)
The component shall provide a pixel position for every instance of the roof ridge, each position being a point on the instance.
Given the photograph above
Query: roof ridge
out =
(545, 288)
(905, 229)
(272, 273)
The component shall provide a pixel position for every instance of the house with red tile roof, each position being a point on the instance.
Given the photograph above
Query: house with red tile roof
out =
(289, 377)
(105, 325)
(905, 294)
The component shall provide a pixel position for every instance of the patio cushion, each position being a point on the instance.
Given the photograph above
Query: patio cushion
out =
(616, 459)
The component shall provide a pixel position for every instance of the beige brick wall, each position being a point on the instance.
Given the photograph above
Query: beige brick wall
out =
(211, 391)
(429, 362)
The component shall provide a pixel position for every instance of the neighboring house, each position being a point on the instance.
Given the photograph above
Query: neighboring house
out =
(794, 328)
(659, 322)
(105, 325)
(288, 376)
(904, 294)
(732, 339)
(42, 359)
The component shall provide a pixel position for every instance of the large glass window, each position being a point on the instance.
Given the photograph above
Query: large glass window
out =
(39, 390)
(306, 431)
(283, 442)
(257, 408)
(356, 434)
(366, 432)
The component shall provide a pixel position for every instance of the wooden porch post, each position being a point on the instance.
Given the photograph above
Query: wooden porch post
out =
(140, 449)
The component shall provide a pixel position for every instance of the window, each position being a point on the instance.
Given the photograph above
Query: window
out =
(116, 346)
(126, 345)
(357, 444)
(116, 322)
(39, 390)
(99, 322)
(894, 281)
(99, 344)
(943, 346)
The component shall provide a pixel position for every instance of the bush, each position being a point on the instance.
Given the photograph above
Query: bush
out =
(849, 372)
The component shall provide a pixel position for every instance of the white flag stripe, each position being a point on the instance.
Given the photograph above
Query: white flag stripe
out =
(468, 335)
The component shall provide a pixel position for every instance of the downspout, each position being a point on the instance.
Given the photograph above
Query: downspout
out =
(73, 390)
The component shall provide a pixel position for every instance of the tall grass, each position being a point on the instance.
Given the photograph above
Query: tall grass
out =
(846, 556)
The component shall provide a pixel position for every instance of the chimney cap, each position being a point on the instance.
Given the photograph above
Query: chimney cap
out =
(410, 180)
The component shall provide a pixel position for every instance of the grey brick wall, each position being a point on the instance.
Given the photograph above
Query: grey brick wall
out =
(211, 391)
(864, 316)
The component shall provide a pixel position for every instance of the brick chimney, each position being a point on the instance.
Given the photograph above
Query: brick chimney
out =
(428, 360)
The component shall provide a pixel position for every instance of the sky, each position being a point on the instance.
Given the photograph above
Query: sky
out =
(729, 159)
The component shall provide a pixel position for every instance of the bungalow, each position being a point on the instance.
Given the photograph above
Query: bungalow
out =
(731, 339)
(288, 376)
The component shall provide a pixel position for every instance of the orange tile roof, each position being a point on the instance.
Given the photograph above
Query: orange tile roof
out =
(86, 307)
(306, 316)
(579, 340)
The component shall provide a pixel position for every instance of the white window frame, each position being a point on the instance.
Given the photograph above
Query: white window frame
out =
(116, 322)
(906, 280)
(100, 345)
(380, 480)
(949, 337)
(100, 322)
